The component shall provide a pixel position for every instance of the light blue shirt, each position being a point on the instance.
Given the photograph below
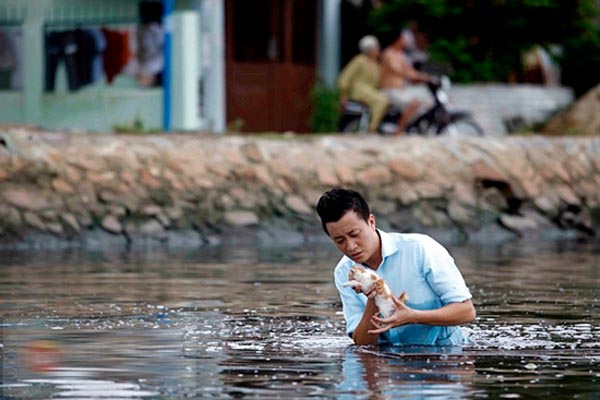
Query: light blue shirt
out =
(421, 267)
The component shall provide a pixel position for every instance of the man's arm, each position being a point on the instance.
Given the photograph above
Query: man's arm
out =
(361, 334)
(449, 315)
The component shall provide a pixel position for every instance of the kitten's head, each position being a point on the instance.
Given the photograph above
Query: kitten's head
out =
(365, 276)
(355, 272)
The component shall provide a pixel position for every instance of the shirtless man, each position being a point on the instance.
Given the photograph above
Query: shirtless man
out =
(396, 70)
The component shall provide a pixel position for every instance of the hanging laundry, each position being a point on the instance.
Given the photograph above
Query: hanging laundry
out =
(86, 52)
(150, 53)
(77, 49)
(11, 59)
(61, 46)
(117, 52)
(97, 63)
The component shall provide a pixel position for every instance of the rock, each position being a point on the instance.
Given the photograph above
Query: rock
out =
(458, 213)
(151, 228)
(345, 173)
(430, 217)
(111, 224)
(283, 184)
(282, 168)
(531, 187)
(163, 219)
(428, 190)
(203, 182)
(71, 222)
(149, 180)
(495, 198)
(110, 197)
(55, 228)
(559, 171)
(71, 174)
(517, 223)
(252, 152)
(326, 175)
(483, 171)
(151, 210)
(567, 195)
(225, 202)
(406, 194)
(298, 205)
(117, 211)
(547, 204)
(403, 168)
(241, 218)
(581, 118)
(9, 217)
(34, 221)
(374, 176)
(174, 213)
(62, 187)
(382, 207)
(28, 199)
(263, 175)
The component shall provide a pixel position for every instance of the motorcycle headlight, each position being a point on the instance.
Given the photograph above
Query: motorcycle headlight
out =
(446, 83)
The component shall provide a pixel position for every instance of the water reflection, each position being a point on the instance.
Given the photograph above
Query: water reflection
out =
(416, 373)
(265, 323)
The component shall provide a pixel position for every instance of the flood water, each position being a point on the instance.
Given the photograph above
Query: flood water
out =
(266, 323)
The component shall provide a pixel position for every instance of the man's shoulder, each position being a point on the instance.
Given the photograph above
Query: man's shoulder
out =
(342, 267)
(410, 238)
(416, 242)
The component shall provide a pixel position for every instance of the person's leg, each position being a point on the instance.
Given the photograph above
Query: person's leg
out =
(378, 107)
(407, 115)
(377, 102)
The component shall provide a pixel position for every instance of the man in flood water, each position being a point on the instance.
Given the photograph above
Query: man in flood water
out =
(438, 298)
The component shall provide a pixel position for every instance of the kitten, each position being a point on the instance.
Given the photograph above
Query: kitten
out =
(366, 279)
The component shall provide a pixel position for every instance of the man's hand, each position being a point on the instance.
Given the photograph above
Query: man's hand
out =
(448, 315)
(343, 100)
(402, 316)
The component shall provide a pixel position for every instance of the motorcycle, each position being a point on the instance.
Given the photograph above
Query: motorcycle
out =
(436, 120)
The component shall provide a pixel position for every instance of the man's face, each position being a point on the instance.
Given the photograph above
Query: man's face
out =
(355, 237)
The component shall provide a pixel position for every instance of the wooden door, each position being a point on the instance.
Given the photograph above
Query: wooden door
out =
(270, 53)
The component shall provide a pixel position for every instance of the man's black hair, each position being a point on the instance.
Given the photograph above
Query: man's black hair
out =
(335, 203)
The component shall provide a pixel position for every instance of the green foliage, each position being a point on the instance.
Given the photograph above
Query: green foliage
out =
(325, 112)
(580, 60)
(135, 126)
(483, 40)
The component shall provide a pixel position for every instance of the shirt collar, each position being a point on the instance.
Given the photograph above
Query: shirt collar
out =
(388, 245)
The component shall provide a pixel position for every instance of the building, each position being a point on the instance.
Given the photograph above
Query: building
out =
(248, 63)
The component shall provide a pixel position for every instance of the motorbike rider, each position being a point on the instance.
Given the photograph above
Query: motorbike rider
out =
(360, 79)
(396, 70)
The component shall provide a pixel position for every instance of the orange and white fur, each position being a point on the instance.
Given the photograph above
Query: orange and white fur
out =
(368, 280)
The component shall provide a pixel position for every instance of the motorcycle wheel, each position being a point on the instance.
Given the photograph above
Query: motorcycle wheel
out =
(464, 127)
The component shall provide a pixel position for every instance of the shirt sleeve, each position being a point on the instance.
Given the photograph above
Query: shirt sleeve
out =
(352, 304)
(442, 274)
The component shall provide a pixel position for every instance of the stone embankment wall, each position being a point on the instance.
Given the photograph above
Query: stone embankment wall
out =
(102, 190)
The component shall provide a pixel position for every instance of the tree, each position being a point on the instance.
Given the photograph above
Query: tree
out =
(483, 40)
